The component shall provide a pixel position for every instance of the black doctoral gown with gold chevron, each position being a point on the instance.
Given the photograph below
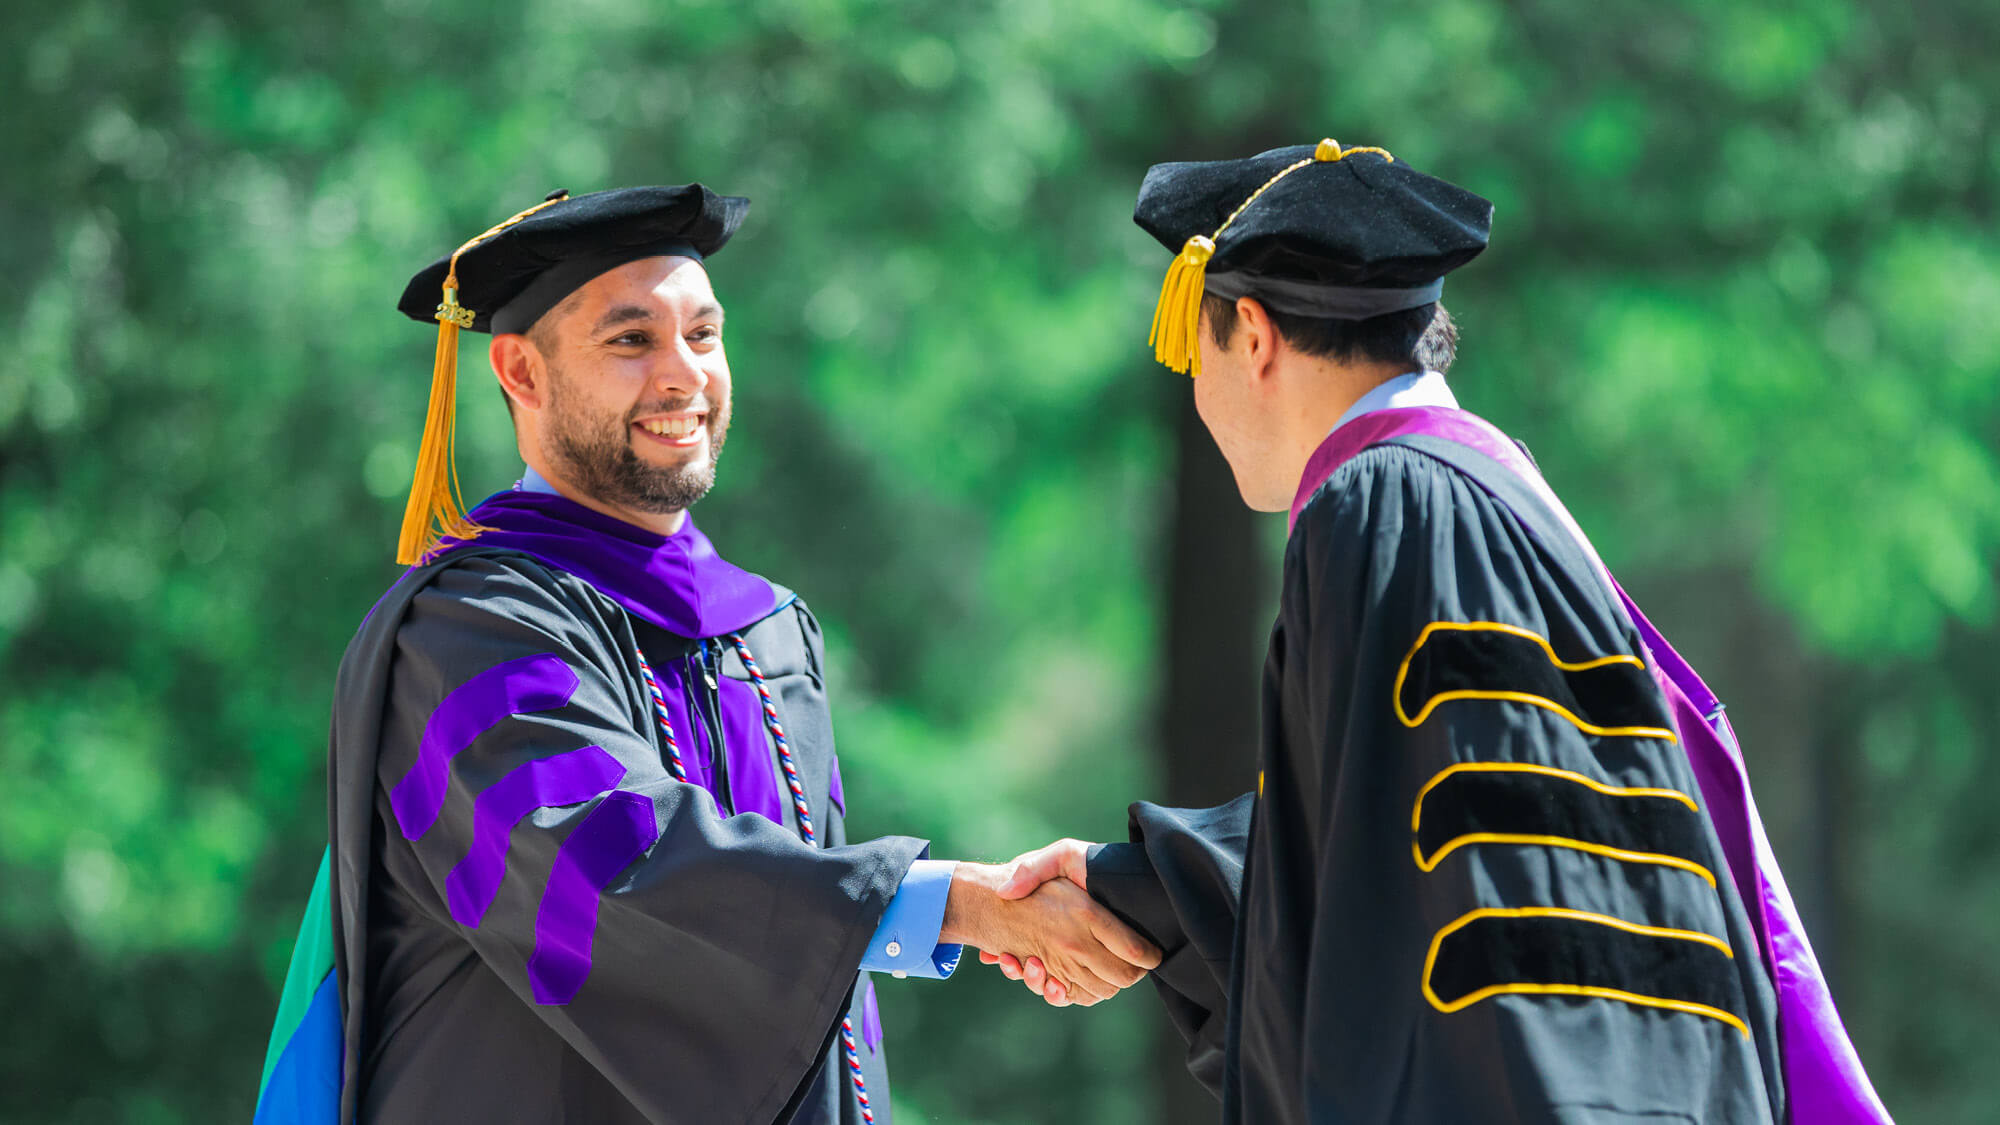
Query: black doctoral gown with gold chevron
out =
(1477, 885)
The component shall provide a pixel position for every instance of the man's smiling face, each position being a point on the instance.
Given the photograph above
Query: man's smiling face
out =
(638, 387)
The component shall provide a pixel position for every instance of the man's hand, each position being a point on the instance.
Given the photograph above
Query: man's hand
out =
(1064, 859)
(1084, 953)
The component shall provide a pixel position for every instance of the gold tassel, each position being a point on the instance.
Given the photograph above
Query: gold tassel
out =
(434, 498)
(1177, 319)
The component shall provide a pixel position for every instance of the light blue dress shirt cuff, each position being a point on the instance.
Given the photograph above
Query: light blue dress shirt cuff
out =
(906, 943)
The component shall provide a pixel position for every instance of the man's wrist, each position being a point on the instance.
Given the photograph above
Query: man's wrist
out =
(970, 904)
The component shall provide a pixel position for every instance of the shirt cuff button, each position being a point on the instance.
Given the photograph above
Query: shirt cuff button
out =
(893, 949)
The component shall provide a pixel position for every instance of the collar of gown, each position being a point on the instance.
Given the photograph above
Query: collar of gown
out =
(1415, 388)
(678, 582)
(1391, 403)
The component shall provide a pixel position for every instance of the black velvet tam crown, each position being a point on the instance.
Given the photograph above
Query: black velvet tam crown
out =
(511, 275)
(1313, 230)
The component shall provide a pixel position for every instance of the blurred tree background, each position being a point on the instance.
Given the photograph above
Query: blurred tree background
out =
(1740, 300)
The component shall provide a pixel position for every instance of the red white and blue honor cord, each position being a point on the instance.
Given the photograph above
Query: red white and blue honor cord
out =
(799, 806)
(674, 766)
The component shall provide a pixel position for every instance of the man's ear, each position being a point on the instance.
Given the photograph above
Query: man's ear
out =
(518, 364)
(1260, 338)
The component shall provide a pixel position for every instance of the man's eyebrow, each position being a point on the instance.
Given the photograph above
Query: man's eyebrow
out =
(620, 315)
(623, 313)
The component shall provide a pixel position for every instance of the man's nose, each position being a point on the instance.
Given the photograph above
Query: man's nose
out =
(680, 372)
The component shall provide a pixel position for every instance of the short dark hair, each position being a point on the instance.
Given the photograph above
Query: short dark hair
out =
(1423, 338)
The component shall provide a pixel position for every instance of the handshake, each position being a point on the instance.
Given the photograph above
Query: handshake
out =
(1032, 917)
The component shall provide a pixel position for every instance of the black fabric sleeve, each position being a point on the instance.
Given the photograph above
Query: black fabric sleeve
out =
(1489, 841)
(1179, 882)
(699, 963)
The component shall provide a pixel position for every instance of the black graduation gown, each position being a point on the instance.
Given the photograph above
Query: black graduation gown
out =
(1474, 885)
(710, 982)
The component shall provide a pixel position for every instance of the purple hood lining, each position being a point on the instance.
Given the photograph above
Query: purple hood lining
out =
(677, 581)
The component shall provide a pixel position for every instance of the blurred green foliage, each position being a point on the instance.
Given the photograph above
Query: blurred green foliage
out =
(1740, 301)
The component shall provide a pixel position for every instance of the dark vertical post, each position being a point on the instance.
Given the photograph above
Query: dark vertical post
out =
(1218, 608)
(1836, 808)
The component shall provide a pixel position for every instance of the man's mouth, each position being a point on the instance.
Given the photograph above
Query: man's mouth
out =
(681, 429)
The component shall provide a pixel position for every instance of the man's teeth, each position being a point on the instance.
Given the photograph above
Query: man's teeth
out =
(674, 427)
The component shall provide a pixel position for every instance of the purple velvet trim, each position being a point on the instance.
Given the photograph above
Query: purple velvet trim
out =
(569, 778)
(1824, 1079)
(753, 769)
(871, 1018)
(1717, 764)
(1823, 1074)
(616, 832)
(677, 581)
(1462, 427)
(518, 687)
(835, 791)
(1378, 426)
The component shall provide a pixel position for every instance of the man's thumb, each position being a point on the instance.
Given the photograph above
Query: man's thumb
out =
(1030, 871)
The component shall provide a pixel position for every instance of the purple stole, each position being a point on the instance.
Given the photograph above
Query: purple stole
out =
(1824, 1081)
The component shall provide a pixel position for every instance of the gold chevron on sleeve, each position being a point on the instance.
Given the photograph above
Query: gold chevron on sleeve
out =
(1550, 951)
(1609, 696)
(1526, 804)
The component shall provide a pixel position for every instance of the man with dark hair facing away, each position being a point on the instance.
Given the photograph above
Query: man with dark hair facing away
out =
(1501, 864)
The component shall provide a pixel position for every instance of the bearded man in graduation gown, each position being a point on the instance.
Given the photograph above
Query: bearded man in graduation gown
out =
(1501, 864)
(588, 859)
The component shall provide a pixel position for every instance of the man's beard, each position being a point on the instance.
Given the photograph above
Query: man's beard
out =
(596, 455)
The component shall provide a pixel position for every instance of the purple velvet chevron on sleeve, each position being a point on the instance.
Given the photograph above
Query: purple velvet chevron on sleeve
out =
(566, 779)
(616, 832)
(518, 687)
(602, 844)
